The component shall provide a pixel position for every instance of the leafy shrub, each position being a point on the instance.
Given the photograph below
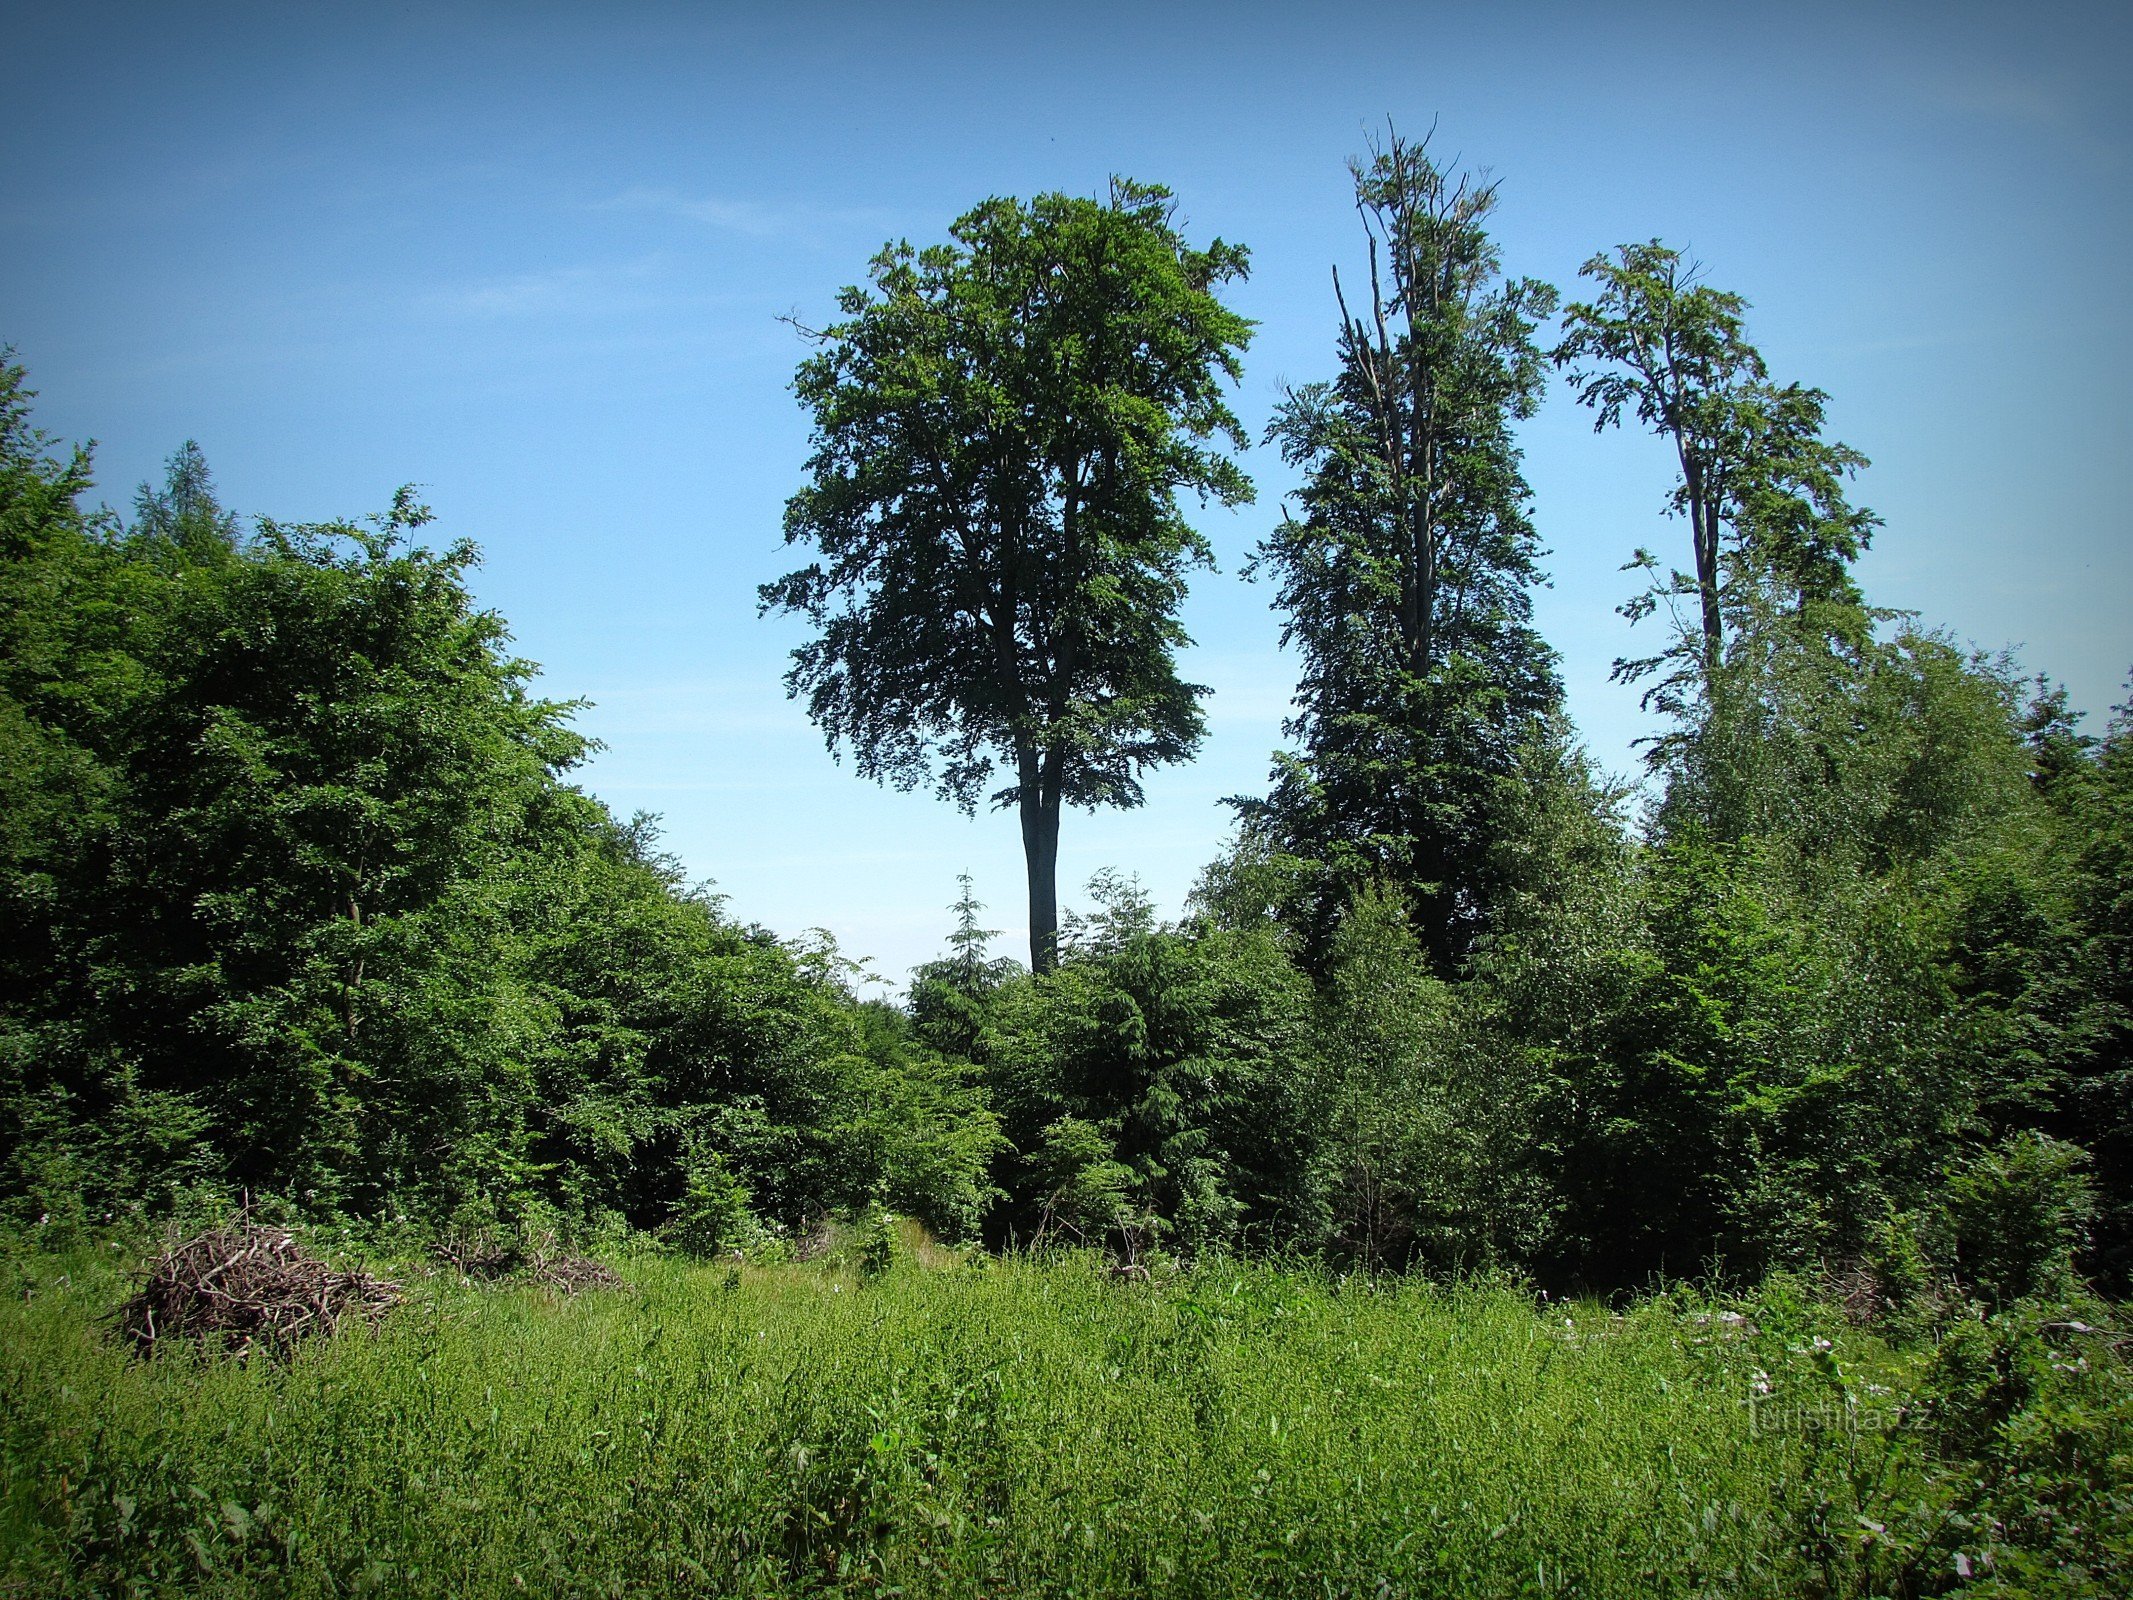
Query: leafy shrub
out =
(2019, 1214)
(712, 1216)
(879, 1246)
(1168, 1074)
(1083, 1194)
(295, 900)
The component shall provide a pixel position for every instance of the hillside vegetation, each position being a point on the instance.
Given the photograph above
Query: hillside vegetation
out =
(299, 901)
(302, 912)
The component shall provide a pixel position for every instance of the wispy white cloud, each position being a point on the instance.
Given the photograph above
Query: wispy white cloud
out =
(2060, 104)
(601, 286)
(750, 217)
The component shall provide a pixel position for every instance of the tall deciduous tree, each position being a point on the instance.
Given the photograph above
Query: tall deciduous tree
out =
(1759, 484)
(1003, 426)
(1406, 578)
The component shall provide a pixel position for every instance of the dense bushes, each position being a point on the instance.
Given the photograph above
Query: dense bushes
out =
(298, 900)
(1853, 975)
(1157, 1086)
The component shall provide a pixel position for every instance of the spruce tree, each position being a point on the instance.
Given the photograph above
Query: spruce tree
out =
(1406, 569)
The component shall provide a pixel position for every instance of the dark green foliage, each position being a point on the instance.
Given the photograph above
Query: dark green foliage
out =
(2046, 1497)
(1003, 426)
(2076, 981)
(296, 899)
(1405, 583)
(1161, 1079)
(1763, 491)
(2018, 1216)
(297, 902)
(1427, 1149)
(1844, 952)
(1760, 1084)
(948, 997)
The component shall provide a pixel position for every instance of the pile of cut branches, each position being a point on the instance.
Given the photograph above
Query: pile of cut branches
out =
(482, 1255)
(556, 1269)
(476, 1253)
(251, 1286)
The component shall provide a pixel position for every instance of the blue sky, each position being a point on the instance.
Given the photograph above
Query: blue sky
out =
(531, 257)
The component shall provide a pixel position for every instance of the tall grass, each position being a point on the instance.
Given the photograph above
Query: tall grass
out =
(1007, 1428)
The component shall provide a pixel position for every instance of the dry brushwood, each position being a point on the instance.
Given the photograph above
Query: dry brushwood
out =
(553, 1267)
(482, 1256)
(1866, 1295)
(475, 1253)
(1859, 1292)
(252, 1287)
(815, 1238)
(571, 1274)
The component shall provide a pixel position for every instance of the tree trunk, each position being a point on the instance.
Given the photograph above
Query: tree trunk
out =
(1707, 588)
(1040, 854)
(1703, 533)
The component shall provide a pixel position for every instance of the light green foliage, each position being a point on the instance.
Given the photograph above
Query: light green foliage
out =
(1003, 427)
(928, 1129)
(1776, 1085)
(1081, 1194)
(1123, 913)
(712, 1216)
(1904, 757)
(879, 1247)
(1047, 1429)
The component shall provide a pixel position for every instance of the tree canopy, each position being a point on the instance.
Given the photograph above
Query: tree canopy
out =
(1405, 582)
(1761, 487)
(295, 900)
(1003, 428)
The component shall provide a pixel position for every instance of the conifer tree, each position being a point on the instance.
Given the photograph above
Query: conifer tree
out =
(1406, 577)
(969, 942)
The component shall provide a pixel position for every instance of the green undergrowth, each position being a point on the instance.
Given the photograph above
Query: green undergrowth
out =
(1011, 1427)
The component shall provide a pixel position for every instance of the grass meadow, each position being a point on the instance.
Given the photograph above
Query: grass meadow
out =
(990, 1427)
